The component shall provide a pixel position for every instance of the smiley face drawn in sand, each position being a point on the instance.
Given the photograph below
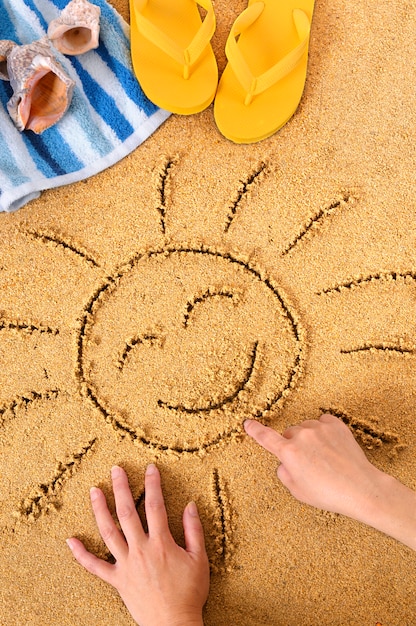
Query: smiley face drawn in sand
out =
(201, 354)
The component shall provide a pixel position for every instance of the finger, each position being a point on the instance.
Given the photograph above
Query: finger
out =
(125, 507)
(328, 418)
(193, 531)
(268, 438)
(337, 423)
(90, 562)
(157, 519)
(291, 431)
(108, 530)
(305, 425)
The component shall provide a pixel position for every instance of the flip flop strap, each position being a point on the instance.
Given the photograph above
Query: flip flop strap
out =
(185, 57)
(254, 85)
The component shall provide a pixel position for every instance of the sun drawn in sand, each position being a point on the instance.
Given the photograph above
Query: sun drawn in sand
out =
(177, 346)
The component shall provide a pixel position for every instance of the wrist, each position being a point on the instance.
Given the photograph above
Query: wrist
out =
(178, 620)
(186, 620)
(391, 509)
(375, 501)
(184, 616)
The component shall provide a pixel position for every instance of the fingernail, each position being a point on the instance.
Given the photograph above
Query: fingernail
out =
(246, 423)
(94, 493)
(192, 509)
(116, 471)
(70, 544)
(151, 469)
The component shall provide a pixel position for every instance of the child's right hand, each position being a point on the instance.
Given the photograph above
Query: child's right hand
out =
(322, 465)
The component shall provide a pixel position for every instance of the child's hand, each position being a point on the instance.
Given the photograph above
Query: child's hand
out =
(159, 582)
(322, 465)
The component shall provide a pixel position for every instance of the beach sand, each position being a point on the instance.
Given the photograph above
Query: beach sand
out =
(146, 312)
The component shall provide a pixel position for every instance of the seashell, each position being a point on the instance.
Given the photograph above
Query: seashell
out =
(6, 47)
(77, 29)
(42, 91)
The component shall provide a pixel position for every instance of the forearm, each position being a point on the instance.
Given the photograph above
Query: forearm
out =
(391, 509)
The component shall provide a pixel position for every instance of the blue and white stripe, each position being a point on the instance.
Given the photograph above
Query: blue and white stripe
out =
(108, 118)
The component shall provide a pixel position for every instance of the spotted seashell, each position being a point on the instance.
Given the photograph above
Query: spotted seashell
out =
(42, 91)
(6, 47)
(77, 29)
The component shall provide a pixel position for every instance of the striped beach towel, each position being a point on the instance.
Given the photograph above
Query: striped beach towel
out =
(108, 118)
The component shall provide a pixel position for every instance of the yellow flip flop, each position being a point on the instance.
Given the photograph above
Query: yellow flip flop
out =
(263, 82)
(172, 55)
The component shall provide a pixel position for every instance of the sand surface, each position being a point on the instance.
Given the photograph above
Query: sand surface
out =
(144, 313)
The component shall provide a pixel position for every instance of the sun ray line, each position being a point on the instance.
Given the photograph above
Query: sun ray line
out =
(316, 221)
(164, 177)
(28, 328)
(254, 178)
(8, 411)
(361, 280)
(49, 237)
(380, 347)
(223, 518)
(47, 496)
(366, 432)
(139, 500)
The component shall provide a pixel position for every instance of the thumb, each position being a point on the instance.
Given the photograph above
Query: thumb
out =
(268, 438)
(193, 531)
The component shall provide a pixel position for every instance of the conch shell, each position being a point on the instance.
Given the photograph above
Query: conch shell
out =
(6, 47)
(77, 29)
(42, 91)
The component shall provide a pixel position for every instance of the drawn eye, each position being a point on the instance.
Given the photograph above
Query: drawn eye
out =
(145, 339)
(206, 297)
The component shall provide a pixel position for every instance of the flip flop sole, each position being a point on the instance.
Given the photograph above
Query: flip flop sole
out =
(268, 40)
(160, 76)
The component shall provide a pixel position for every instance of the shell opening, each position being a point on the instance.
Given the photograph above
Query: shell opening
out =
(3, 67)
(47, 102)
(6, 47)
(77, 39)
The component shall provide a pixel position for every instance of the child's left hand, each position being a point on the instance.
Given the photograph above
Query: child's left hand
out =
(159, 582)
